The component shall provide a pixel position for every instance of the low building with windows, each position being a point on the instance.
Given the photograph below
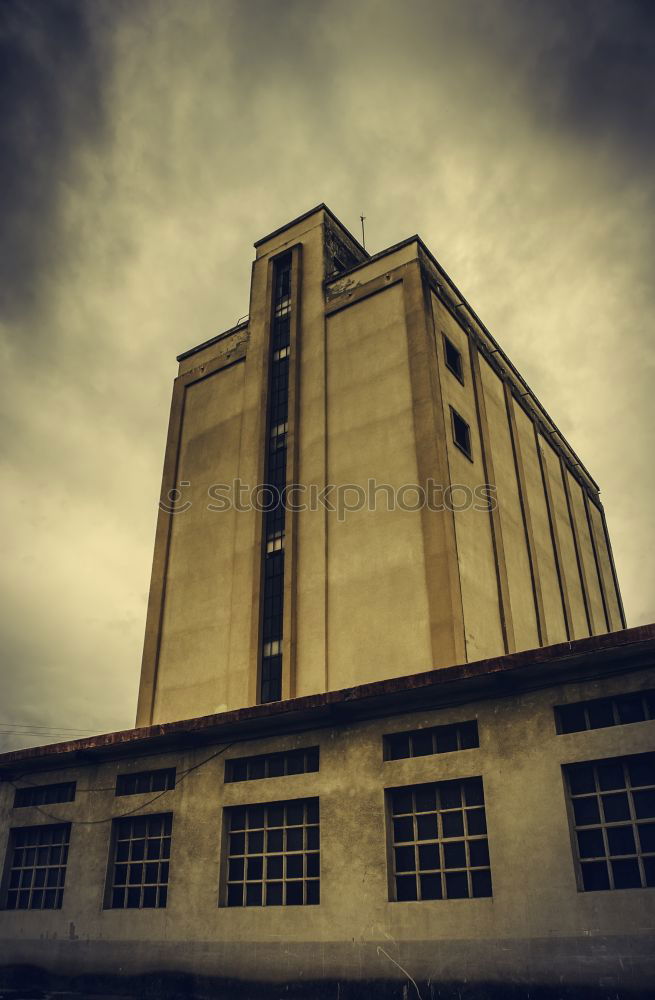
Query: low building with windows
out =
(393, 736)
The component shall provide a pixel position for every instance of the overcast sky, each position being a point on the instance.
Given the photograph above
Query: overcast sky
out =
(145, 145)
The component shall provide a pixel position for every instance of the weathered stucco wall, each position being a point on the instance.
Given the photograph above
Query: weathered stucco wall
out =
(535, 498)
(515, 548)
(475, 553)
(376, 598)
(199, 583)
(536, 929)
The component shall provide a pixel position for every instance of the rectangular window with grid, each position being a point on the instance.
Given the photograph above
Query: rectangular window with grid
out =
(160, 780)
(36, 863)
(138, 871)
(272, 765)
(273, 854)
(598, 713)
(42, 795)
(439, 847)
(613, 818)
(437, 739)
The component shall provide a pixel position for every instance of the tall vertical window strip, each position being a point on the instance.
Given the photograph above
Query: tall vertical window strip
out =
(276, 473)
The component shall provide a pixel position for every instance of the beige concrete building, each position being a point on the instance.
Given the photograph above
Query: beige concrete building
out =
(393, 736)
(393, 389)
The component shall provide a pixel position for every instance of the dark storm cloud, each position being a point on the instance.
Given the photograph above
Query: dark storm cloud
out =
(51, 101)
(584, 65)
(595, 69)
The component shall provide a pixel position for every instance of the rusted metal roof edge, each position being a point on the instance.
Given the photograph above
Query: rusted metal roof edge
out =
(497, 676)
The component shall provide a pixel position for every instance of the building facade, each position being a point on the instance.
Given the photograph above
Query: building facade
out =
(393, 737)
(361, 380)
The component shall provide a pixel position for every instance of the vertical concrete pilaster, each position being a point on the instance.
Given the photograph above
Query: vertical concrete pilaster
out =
(157, 594)
(542, 628)
(552, 520)
(504, 603)
(440, 545)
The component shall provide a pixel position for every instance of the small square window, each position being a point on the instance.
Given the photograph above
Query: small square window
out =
(453, 359)
(461, 433)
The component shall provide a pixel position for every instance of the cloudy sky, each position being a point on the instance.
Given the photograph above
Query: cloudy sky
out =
(145, 145)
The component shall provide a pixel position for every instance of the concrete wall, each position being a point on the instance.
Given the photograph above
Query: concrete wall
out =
(475, 551)
(603, 550)
(536, 929)
(199, 585)
(378, 619)
(544, 558)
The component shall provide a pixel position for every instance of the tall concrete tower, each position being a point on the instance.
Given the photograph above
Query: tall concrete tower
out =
(358, 485)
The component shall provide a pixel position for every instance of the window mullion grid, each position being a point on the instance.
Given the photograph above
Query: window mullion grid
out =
(438, 842)
(286, 876)
(417, 878)
(633, 822)
(616, 718)
(601, 813)
(467, 852)
(441, 847)
(126, 833)
(48, 839)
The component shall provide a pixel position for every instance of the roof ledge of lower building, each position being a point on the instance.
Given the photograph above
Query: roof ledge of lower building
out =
(582, 659)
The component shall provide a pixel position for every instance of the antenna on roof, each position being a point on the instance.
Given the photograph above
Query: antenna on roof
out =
(362, 217)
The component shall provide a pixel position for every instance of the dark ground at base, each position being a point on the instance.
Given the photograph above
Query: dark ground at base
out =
(30, 983)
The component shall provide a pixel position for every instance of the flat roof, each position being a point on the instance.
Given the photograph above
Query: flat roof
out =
(212, 340)
(596, 656)
(322, 207)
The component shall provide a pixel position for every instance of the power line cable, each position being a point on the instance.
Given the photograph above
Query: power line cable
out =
(39, 725)
(143, 805)
(39, 733)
